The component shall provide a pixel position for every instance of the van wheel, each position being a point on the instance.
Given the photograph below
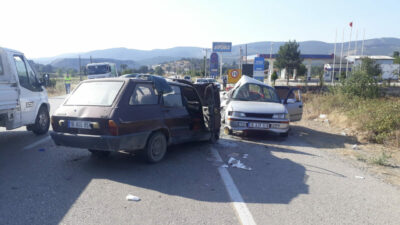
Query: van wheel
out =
(99, 153)
(156, 147)
(42, 122)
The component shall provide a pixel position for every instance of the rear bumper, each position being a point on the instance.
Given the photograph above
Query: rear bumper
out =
(128, 142)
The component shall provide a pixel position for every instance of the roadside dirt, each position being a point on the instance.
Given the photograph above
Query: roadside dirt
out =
(379, 160)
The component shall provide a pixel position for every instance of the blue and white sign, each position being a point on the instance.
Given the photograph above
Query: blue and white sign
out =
(214, 64)
(222, 46)
(258, 67)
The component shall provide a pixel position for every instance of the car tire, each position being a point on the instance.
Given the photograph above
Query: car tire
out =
(156, 147)
(284, 135)
(99, 153)
(42, 122)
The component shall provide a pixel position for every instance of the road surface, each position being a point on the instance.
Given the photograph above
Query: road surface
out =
(290, 182)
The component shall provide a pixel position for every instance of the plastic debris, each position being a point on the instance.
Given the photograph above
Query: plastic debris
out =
(326, 121)
(343, 134)
(225, 166)
(245, 156)
(354, 147)
(359, 177)
(322, 116)
(130, 197)
(235, 163)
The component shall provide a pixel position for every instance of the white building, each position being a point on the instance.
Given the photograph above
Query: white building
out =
(389, 70)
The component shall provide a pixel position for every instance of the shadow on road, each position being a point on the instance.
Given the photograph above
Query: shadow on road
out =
(47, 184)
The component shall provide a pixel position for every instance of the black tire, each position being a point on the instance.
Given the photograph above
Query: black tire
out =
(99, 153)
(156, 147)
(42, 122)
(284, 135)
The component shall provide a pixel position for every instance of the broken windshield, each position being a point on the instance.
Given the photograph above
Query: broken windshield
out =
(255, 92)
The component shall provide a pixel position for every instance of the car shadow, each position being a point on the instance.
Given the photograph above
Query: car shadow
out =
(59, 176)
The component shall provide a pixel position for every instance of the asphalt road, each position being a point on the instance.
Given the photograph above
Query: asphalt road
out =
(290, 182)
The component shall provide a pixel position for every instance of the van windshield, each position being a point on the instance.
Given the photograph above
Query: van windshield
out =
(98, 69)
(95, 93)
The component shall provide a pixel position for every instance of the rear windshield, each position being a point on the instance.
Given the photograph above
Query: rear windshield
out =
(95, 93)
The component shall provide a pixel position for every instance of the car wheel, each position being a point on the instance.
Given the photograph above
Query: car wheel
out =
(42, 122)
(284, 135)
(99, 153)
(156, 147)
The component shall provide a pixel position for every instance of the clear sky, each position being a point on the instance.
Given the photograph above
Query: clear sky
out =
(43, 28)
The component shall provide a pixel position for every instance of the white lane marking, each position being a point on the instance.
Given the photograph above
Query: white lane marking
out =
(242, 211)
(37, 143)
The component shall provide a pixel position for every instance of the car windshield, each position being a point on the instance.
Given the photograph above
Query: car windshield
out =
(211, 80)
(201, 80)
(95, 93)
(98, 69)
(255, 92)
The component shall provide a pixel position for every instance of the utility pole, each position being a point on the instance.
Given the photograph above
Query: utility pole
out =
(80, 72)
(205, 62)
(334, 60)
(246, 53)
(362, 46)
(240, 57)
(348, 48)
(341, 55)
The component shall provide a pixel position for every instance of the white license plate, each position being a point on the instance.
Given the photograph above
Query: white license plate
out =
(79, 124)
(259, 125)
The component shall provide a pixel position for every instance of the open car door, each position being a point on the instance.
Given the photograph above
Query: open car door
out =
(291, 98)
(211, 103)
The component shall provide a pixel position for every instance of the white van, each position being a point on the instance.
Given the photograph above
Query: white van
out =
(23, 99)
(101, 70)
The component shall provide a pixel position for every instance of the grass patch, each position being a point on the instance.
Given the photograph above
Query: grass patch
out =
(57, 86)
(382, 160)
(376, 120)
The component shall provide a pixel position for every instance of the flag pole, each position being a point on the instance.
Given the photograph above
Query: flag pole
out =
(341, 55)
(362, 46)
(334, 59)
(348, 48)
(355, 47)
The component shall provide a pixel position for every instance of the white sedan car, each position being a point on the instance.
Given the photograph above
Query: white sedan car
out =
(253, 105)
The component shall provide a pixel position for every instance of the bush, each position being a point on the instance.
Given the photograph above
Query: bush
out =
(360, 84)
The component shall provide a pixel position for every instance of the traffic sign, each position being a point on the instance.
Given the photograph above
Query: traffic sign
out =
(234, 75)
(222, 46)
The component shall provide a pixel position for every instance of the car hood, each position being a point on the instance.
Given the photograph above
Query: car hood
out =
(256, 107)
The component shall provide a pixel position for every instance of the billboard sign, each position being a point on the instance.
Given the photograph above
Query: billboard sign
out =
(259, 67)
(214, 64)
(222, 46)
(234, 75)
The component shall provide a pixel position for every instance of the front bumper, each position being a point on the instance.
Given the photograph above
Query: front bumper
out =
(243, 124)
(128, 142)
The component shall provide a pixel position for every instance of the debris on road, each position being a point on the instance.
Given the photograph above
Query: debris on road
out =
(354, 147)
(359, 177)
(234, 154)
(322, 116)
(343, 134)
(245, 156)
(130, 197)
(235, 163)
(225, 166)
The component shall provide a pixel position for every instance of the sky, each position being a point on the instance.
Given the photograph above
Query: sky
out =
(45, 28)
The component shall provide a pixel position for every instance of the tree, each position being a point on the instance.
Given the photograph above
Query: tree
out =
(302, 70)
(143, 69)
(396, 56)
(289, 57)
(159, 71)
(370, 67)
(274, 77)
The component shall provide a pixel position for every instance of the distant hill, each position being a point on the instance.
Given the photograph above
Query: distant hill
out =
(378, 46)
(74, 62)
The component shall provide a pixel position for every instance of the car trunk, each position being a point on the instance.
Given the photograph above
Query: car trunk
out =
(82, 120)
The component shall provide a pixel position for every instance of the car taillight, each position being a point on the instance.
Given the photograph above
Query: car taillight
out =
(113, 128)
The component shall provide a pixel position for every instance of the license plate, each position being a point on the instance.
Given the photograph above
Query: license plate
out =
(79, 124)
(259, 125)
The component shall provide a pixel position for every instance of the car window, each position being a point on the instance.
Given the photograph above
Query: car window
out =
(174, 98)
(255, 92)
(95, 93)
(1, 67)
(21, 71)
(143, 94)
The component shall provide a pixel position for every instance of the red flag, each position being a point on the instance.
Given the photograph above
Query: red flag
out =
(351, 24)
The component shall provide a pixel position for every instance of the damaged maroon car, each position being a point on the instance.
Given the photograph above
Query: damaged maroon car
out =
(147, 114)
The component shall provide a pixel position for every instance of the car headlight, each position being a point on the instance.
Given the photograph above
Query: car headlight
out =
(236, 114)
(280, 116)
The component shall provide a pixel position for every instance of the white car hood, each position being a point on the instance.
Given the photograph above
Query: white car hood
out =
(256, 107)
